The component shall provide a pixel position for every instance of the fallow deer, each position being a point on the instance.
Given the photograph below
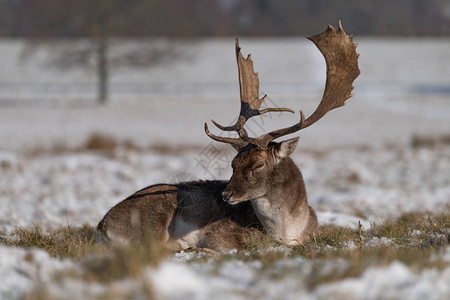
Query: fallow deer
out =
(266, 190)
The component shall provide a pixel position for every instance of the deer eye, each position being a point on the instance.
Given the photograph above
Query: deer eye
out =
(258, 167)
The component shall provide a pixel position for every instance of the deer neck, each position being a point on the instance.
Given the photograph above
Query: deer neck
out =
(284, 211)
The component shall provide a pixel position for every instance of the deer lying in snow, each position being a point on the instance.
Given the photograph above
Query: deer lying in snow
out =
(266, 190)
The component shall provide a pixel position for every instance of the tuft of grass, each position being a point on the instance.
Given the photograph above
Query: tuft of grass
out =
(71, 242)
(333, 236)
(327, 240)
(123, 262)
(100, 263)
(177, 149)
(427, 141)
(57, 148)
(257, 240)
(101, 142)
(413, 229)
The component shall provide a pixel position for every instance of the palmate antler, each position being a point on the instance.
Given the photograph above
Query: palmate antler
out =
(341, 58)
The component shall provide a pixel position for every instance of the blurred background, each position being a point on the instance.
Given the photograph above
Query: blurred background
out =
(99, 98)
(167, 58)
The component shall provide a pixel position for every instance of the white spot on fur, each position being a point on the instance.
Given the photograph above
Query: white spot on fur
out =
(117, 240)
(135, 219)
(185, 234)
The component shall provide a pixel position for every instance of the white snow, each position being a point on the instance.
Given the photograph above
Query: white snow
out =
(395, 281)
(287, 279)
(21, 269)
(339, 219)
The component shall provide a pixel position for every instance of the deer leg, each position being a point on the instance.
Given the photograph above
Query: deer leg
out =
(223, 235)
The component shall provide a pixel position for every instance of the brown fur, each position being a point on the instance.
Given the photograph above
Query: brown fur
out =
(194, 214)
(148, 211)
(155, 210)
(274, 185)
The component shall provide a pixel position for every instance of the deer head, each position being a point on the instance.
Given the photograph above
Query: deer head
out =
(259, 159)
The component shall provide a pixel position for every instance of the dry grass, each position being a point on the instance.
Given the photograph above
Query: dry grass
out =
(410, 230)
(414, 229)
(105, 144)
(420, 141)
(78, 243)
(72, 242)
(256, 240)
(101, 142)
(96, 142)
(98, 263)
(416, 240)
(123, 262)
(57, 148)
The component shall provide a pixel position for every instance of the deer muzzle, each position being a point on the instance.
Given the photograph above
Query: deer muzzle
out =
(226, 196)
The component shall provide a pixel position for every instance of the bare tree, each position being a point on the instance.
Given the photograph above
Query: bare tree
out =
(444, 9)
(99, 23)
(103, 56)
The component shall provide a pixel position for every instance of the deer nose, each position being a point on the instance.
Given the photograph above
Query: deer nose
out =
(226, 196)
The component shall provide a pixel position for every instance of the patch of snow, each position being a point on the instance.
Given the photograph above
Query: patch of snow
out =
(279, 249)
(239, 273)
(287, 279)
(21, 269)
(396, 281)
(379, 242)
(178, 281)
(341, 219)
(183, 256)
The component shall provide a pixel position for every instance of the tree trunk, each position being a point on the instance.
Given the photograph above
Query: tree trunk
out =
(102, 70)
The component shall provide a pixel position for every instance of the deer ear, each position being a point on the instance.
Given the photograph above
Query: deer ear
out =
(286, 148)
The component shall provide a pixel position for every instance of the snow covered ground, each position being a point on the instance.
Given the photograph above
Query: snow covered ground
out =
(250, 280)
(359, 162)
(33, 273)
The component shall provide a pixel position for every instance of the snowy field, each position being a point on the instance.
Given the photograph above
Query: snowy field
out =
(385, 153)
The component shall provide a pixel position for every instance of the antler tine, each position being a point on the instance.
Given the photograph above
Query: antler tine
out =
(264, 140)
(234, 141)
(288, 130)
